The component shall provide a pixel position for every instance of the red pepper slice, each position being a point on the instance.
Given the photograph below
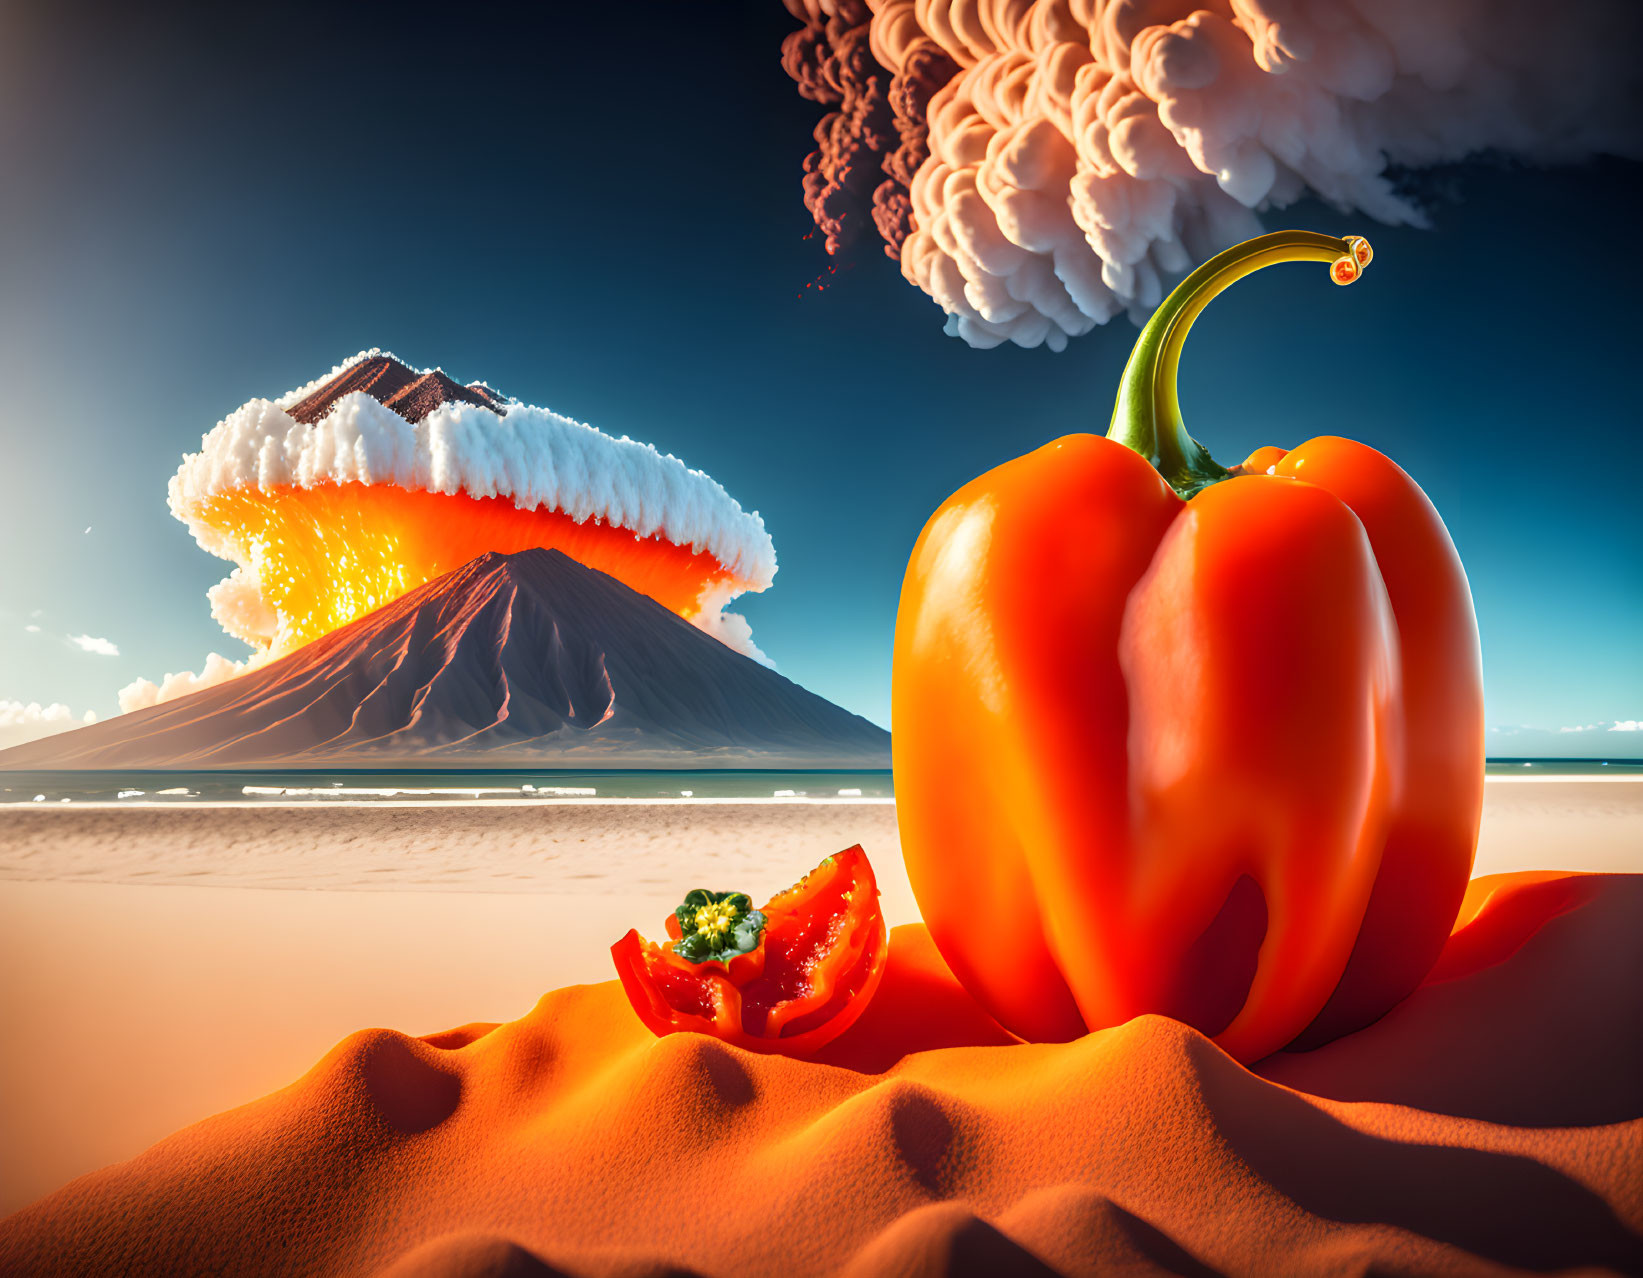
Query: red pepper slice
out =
(817, 963)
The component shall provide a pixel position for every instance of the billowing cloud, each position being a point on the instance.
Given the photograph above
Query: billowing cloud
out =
(1077, 156)
(342, 494)
(94, 645)
(20, 722)
(730, 628)
(532, 456)
(143, 693)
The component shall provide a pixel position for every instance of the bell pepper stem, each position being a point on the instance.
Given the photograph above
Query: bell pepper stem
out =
(1147, 414)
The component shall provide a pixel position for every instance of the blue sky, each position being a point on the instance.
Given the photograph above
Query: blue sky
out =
(606, 221)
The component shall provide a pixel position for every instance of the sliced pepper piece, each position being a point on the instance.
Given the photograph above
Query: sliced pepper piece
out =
(789, 978)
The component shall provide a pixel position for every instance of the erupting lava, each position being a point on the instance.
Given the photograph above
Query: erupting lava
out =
(344, 494)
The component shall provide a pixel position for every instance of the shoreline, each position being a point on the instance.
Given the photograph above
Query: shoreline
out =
(592, 846)
(320, 799)
(308, 805)
(619, 846)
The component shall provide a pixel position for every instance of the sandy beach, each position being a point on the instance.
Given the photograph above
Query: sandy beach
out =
(168, 963)
(173, 961)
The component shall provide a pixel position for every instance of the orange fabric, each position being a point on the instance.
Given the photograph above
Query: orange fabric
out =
(1218, 759)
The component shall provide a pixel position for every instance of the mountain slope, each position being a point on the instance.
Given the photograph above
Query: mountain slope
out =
(411, 394)
(521, 660)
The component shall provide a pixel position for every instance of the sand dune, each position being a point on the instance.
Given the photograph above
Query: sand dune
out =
(1492, 1123)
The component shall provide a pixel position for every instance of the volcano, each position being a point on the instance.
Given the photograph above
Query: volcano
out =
(394, 385)
(528, 659)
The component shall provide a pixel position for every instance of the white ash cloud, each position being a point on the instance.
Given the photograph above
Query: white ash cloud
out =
(729, 628)
(142, 693)
(1089, 152)
(21, 722)
(530, 455)
(238, 606)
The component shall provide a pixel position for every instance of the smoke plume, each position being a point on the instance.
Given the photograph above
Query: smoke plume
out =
(1062, 161)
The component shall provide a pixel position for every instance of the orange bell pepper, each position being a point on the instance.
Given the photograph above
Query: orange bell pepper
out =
(789, 978)
(1176, 738)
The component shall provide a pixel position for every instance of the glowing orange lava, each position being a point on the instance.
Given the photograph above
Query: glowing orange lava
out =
(328, 555)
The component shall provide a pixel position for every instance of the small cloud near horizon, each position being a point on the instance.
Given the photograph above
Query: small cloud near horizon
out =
(1585, 740)
(20, 723)
(32, 629)
(1602, 725)
(92, 644)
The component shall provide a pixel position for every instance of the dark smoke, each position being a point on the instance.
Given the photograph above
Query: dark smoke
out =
(868, 149)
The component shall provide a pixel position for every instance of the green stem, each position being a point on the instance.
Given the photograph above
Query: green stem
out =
(1147, 414)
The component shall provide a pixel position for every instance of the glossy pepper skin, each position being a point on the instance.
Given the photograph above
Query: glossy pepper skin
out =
(817, 964)
(1175, 738)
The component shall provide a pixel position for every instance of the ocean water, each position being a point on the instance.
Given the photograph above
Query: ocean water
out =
(467, 786)
(435, 786)
(1564, 767)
